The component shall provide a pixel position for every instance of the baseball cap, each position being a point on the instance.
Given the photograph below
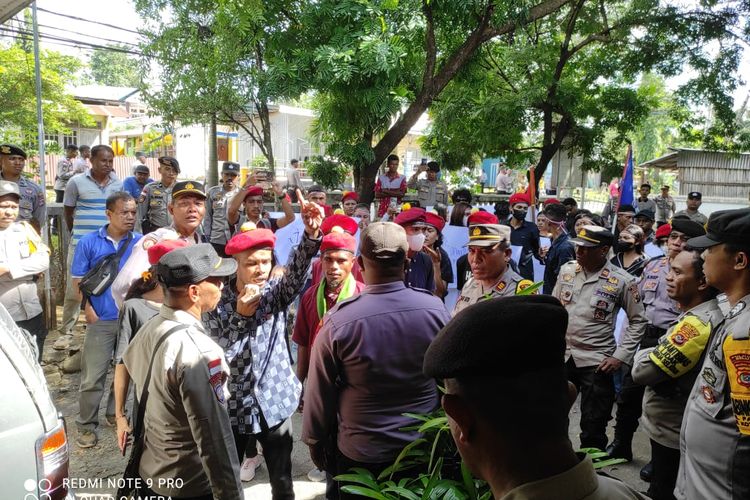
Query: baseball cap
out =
(593, 236)
(230, 167)
(193, 264)
(724, 226)
(694, 195)
(183, 188)
(383, 240)
(9, 188)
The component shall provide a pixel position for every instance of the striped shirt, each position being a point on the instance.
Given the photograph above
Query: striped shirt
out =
(89, 200)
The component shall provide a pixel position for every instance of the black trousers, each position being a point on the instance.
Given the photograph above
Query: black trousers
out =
(341, 466)
(666, 463)
(59, 195)
(597, 390)
(629, 408)
(38, 329)
(277, 445)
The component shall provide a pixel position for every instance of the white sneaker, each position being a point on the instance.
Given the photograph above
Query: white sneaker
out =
(316, 475)
(247, 470)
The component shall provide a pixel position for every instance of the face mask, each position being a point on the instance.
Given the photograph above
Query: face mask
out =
(520, 214)
(624, 246)
(416, 241)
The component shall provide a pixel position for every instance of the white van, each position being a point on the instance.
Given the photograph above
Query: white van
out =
(33, 444)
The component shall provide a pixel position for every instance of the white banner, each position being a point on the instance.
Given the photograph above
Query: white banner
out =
(455, 239)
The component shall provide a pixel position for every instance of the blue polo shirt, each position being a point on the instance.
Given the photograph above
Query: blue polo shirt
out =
(130, 184)
(91, 249)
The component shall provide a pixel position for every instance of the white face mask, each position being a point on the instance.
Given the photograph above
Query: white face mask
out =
(416, 241)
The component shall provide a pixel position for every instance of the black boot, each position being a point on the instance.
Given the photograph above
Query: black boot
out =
(621, 448)
(647, 472)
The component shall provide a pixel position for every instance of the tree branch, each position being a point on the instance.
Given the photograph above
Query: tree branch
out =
(429, 46)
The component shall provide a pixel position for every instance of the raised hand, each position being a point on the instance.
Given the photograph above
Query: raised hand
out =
(312, 215)
(276, 185)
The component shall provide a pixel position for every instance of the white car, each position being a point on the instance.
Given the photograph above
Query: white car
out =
(33, 443)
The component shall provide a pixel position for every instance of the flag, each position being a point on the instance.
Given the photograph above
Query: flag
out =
(626, 181)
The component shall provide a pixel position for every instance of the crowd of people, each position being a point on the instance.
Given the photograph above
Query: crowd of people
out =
(181, 289)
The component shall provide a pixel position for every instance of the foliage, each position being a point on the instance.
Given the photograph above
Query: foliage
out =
(18, 118)
(118, 69)
(325, 172)
(579, 92)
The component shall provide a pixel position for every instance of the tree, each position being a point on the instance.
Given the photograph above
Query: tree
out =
(377, 66)
(115, 68)
(211, 56)
(570, 79)
(18, 118)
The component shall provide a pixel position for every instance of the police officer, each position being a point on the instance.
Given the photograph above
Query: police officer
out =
(22, 257)
(477, 355)
(156, 196)
(715, 434)
(33, 207)
(489, 257)
(215, 224)
(593, 290)
(188, 450)
(661, 312)
(430, 191)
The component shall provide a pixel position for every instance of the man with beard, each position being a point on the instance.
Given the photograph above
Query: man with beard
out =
(523, 234)
(249, 323)
(101, 312)
(215, 224)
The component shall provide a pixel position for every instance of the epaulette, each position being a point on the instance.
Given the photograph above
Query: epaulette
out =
(571, 266)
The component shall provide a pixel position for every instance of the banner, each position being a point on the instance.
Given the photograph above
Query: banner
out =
(455, 239)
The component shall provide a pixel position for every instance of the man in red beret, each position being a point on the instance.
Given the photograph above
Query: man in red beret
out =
(523, 234)
(249, 324)
(441, 262)
(349, 202)
(419, 273)
(334, 223)
(250, 199)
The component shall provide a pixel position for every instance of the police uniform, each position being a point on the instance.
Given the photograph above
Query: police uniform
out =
(24, 253)
(592, 303)
(215, 224)
(715, 433)
(188, 449)
(152, 204)
(33, 205)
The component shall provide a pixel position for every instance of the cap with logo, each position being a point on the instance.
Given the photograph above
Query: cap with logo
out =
(724, 226)
(11, 150)
(8, 188)
(383, 241)
(230, 167)
(695, 195)
(488, 235)
(168, 161)
(193, 264)
(184, 188)
(593, 236)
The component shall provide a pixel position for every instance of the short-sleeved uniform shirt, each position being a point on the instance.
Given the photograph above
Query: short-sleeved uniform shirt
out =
(152, 204)
(215, 224)
(33, 204)
(473, 291)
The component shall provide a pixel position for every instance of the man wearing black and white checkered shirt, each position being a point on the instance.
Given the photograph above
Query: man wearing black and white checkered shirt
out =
(249, 324)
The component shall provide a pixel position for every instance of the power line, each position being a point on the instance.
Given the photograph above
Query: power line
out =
(27, 35)
(87, 20)
(88, 36)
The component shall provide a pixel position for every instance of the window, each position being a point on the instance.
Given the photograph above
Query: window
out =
(71, 138)
(50, 140)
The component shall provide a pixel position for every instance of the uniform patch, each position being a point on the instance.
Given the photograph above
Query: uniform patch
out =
(738, 308)
(567, 277)
(633, 288)
(600, 314)
(613, 279)
(708, 394)
(741, 364)
(156, 192)
(709, 376)
(682, 348)
(567, 295)
(609, 288)
(500, 286)
(216, 379)
(737, 360)
(605, 273)
(578, 268)
(649, 285)
(148, 243)
(606, 295)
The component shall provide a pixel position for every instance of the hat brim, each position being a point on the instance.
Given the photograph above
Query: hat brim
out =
(702, 242)
(583, 243)
(226, 267)
(483, 243)
(186, 192)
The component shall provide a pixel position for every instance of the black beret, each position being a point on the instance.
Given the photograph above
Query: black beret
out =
(626, 209)
(505, 336)
(683, 224)
(10, 150)
(724, 226)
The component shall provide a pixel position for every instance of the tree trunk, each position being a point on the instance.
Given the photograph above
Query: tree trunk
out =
(366, 186)
(212, 176)
(265, 123)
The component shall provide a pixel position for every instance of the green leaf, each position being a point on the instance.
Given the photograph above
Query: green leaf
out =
(608, 463)
(365, 492)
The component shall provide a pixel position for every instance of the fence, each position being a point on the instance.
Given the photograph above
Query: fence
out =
(123, 167)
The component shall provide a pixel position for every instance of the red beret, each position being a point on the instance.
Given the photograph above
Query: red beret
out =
(344, 222)
(338, 241)
(255, 238)
(520, 198)
(349, 195)
(410, 216)
(481, 217)
(254, 191)
(663, 231)
(550, 201)
(155, 252)
(434, 220)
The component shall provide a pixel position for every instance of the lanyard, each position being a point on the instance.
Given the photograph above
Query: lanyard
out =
(346, 291)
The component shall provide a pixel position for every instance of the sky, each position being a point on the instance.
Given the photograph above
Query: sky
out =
(121, 13)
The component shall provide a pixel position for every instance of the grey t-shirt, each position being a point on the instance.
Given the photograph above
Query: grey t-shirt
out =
(133, 315)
